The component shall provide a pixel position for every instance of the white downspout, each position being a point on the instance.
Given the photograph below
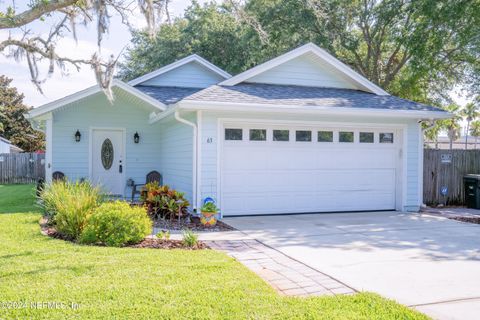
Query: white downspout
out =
(194, 158)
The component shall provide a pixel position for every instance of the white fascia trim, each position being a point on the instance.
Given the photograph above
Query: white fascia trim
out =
(322, 54)
(179, 63)
(51, 106)
(276, 108)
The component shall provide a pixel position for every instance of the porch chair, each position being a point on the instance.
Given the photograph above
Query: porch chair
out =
(58, 175)
(151, 177)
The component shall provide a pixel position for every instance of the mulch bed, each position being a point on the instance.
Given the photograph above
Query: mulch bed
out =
(194, 224)
(50, 231)
(475, 220)
(153, 243)
(167, 244)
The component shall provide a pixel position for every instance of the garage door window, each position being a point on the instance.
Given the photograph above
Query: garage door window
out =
(258, 134)
(345, 136)
(281, 135)
(366, 137)
(303, 136)
(325, 136)
(386, 137)
(233, 134)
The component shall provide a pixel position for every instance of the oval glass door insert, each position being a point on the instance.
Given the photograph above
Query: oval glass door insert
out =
(107, 154)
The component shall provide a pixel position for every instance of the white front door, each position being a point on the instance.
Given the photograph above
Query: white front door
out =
(107, 163)
(271, 169)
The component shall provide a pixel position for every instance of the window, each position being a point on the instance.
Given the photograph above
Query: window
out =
(345, 136)
(386, 137)
(325, 136)
(366, 137)
(107, 154)
(281, 135)
(233, 134)
(303, 135)
(258, 134)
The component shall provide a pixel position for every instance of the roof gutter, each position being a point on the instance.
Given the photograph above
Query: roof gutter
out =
(323, 110)
(51, 106)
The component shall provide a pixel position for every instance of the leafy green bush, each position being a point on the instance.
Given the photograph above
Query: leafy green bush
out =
(190, 239)
(163, 202)
(69, 204)
(116, 224)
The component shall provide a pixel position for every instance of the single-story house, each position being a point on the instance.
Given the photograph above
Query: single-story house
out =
(300, 133)
(6, 146)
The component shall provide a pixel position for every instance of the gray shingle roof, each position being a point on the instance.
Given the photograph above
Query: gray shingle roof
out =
(304, 96)
(167, 95)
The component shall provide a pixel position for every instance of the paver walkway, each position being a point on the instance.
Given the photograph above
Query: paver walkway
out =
(288, 276)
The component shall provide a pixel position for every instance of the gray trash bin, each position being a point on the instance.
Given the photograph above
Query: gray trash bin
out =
(472, 190)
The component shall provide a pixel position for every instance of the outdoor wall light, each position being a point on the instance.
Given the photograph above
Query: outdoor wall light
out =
(136, 137)
(77, 136)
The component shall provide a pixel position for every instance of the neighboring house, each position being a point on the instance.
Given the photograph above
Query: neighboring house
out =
(7, 147)
(444, 143)
(300, 133)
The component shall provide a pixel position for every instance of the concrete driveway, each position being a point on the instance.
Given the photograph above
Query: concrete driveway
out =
(426, 262)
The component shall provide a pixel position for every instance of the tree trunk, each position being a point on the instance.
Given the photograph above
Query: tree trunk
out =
(451, 136)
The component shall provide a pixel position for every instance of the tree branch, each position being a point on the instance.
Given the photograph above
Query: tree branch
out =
(44, 53)
(36, 12)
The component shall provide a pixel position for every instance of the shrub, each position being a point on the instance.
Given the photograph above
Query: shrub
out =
(163, 202)
(163, 235)
(190, 239)
(209, 207)
(116, 224)
(69, 204)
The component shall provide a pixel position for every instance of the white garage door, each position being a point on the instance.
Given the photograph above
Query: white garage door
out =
(283, 169)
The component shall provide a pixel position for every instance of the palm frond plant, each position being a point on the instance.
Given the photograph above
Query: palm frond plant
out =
(470, 112)
(431, 133)
(475, 130)
(452, 125)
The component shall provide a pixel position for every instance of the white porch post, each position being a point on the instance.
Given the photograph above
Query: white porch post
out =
(48, 147)
(199, 159)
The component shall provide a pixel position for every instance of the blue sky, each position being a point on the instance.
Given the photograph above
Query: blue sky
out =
(59, 85)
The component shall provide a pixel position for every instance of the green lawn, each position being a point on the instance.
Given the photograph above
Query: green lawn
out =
(115, 283)
(17, 198)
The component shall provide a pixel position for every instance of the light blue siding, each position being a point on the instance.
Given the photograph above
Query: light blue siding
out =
(413, 200)
(176, 143)
(306, 70)
(209, 165)
(165, 147)
(190, 75)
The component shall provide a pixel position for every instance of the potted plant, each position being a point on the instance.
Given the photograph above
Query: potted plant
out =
(209, 210)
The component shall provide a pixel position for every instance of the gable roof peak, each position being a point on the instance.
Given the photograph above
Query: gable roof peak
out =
(348, 73)
(174, 65)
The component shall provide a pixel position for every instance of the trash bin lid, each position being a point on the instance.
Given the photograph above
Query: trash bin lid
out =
(472, 176)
